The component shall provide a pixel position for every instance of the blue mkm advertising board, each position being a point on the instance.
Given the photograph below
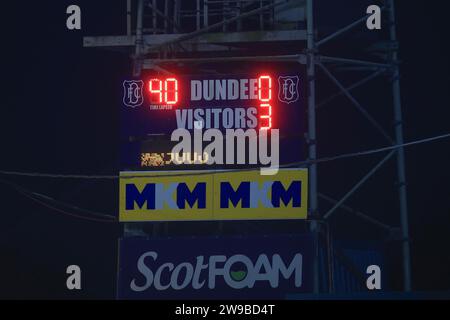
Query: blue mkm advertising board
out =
(215, 267)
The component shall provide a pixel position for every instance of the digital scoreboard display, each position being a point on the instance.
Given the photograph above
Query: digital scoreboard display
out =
(155, 106)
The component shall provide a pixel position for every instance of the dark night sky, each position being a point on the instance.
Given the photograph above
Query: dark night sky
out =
(60, 114)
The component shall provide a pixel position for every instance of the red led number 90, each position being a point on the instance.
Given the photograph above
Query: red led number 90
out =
(265, 96)
(166, 93)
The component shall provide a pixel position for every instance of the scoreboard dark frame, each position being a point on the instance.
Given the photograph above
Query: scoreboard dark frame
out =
(146, 129)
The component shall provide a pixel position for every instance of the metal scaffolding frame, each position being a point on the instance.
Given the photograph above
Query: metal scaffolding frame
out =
(155, 51)
(391, 66)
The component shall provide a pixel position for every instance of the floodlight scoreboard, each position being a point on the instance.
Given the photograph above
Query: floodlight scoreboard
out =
(156, 105)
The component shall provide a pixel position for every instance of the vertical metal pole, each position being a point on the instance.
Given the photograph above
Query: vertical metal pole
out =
(313, 198)
(176, 5)
(261, 16)
(166, 14)
(128, 17)
(272, 16)
(330, 260)
(139, 39)
(154, 7)
(197, 15)
(205, 13)
(225, 8)
(238, 12)
(398, 118)
(133, 229)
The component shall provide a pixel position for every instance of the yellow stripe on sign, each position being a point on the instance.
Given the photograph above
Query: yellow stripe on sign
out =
(200, 195)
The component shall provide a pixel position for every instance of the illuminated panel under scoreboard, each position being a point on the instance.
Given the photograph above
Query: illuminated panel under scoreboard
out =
(156, 105)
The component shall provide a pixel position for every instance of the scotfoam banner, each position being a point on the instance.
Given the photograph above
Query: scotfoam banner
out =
(214, 268)
(209, 195)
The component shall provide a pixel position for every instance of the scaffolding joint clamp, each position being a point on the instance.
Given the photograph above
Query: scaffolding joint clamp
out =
(401, 184)
(398, 123)
(309, 141)
(308, 51)
(315, 216)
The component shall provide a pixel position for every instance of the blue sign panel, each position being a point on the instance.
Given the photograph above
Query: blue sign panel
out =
(215, 268)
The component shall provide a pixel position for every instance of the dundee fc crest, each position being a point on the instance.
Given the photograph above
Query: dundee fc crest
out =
(288, 89)
(132, 93)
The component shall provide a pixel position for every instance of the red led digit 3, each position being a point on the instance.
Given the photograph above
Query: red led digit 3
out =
(264, 96)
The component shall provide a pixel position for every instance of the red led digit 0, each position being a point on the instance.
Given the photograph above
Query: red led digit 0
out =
(268, 115)
(265, 88)
(155, 86)
(171, 91)
(264, 96)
